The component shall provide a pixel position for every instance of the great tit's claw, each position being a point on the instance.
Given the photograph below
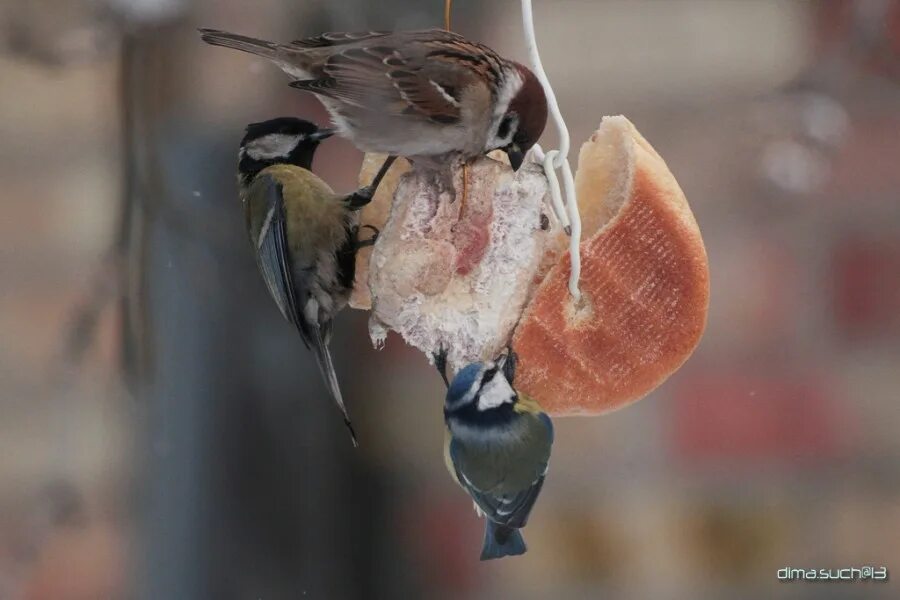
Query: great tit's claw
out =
(371, 241)
(360, 197)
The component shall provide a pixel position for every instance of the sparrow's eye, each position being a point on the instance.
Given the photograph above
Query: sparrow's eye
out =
(505, 126)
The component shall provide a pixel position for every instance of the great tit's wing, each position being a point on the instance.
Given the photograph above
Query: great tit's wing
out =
(268, 234)
(290, 287)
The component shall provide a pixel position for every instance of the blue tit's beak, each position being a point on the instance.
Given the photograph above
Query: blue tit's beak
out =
(516, 156)
(322, 134)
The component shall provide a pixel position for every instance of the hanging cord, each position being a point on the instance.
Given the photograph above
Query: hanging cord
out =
(448, 8)
(557, 159)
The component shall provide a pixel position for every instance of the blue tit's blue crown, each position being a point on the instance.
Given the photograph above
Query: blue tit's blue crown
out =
(480, 398)
(461, 385)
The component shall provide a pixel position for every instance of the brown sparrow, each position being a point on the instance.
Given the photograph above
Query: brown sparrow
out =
(427, 95)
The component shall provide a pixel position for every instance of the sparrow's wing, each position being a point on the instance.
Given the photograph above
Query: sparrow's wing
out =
(338, 38)
(418, 74)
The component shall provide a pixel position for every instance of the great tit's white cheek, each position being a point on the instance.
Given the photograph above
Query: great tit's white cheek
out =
(270, 146)
(495, 392)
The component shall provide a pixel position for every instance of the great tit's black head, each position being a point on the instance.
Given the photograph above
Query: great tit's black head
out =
(286, 140)
(480, 396)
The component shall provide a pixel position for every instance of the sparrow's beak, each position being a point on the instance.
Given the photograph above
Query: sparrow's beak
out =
(322, 134)
(516, 156)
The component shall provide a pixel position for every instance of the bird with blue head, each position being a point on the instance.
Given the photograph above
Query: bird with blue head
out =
(497, 449)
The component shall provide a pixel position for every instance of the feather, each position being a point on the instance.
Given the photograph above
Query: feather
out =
(289, 286)
(239, 42)
(270, 244)
(326, 367)
(335, 38)
(504, 482)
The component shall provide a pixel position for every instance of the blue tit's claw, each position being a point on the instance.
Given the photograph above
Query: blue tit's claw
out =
(440, 363)
(510, 364)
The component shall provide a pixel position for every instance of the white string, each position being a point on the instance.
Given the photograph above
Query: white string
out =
(557, 159)
(559, 209)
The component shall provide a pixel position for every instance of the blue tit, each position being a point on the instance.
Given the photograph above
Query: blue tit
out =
(498, 448)
(303, 234)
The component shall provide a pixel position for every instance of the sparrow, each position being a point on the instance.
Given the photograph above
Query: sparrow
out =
(497, 448)
(430, 96)
(303, 235)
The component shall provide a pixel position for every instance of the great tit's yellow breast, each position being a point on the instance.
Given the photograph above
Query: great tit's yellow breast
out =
(315, 216)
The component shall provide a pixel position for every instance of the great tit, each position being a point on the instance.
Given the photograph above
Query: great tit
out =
(304, 236)
(497, 448)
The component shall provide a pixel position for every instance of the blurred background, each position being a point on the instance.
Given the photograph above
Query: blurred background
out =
(163, 434)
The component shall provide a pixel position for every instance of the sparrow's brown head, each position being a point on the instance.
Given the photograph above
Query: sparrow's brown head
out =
(526, 115)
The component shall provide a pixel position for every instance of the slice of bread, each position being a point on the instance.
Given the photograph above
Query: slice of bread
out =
(374, 214)
(644, 282)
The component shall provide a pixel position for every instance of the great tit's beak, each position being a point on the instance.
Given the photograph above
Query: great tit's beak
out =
(516, 156)
(322, 134)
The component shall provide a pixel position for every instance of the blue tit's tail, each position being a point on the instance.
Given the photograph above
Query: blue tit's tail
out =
(500, 541)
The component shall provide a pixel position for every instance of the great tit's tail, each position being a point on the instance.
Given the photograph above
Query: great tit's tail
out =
(500, 541)
(240, 42)
(326, 366)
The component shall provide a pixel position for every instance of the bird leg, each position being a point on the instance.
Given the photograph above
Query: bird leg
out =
(369, 242)
(440, 363)
(465, 188)
(364, 195)
(509, 365)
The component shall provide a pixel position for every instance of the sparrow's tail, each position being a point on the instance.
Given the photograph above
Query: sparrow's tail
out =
(240, 42)
(326, 366)
(500, 541)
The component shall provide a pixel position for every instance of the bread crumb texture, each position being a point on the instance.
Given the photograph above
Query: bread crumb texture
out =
(455, 270)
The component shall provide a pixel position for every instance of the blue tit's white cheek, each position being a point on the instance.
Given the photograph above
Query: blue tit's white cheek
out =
(274, 145)
(495, 392)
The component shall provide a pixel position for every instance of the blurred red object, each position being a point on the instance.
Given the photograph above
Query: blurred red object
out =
(445, 536)
(80, 564)
(750, 419)
(866, 293)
